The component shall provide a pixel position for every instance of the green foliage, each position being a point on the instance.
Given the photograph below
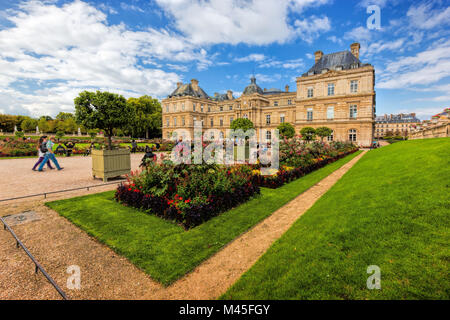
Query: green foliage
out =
(323, 132)
(286, 130)
(92, 133)
(28, 125)
(242, 123)
(59, 134)
(308, 133)
(19, 134)
(102, 110)
(43, 125)
(7, 122)
(63, 116)
(146, 117)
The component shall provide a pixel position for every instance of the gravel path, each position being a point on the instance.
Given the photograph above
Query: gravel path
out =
(57, 244)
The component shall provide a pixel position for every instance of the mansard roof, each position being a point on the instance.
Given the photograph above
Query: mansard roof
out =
(188, 90)
(221, 97)
(344, 59)
(252, 88)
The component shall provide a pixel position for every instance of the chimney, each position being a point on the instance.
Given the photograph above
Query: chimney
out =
(230, 95)
(179, 84)
(286, 88)
(318, 55)
(194, 83)
(354, 48)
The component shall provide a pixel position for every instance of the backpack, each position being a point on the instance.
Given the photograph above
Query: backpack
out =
(43, 147)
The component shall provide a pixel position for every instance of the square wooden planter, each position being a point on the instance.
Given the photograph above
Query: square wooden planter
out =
(110, 163)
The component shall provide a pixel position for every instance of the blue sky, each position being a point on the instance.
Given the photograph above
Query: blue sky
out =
(51, 50)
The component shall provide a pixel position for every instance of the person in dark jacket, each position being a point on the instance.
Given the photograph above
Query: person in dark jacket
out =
(149, 155)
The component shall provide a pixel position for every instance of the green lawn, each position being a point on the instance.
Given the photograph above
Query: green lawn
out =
(163, 249)
(392, 209)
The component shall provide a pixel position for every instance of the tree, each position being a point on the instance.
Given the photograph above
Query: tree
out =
(70, 126)
(28, 125)
(286, 130)
(323, 132)
(146, 116)
(64, 116)
(242, 123)
(308, 133)
(102, 110)
(43, 125)
(7, 122)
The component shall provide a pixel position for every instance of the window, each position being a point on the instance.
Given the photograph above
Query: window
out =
(289, 102)
(183, 121)
(167, 108)
(352, 135)
(231, 108)
(268, 119)
(275, 103)
(175, 107)
(175, 121)
(201, 108)
(331, 89)
(221, 108)
(245, 116)
(167, 122)
(212, 122)
(330, 113)
(268, 135)
(221, 122)
(182, 106)
(354, 86)
(231, 120)
(193, 106)
(209, 108)
(353, 111)
(331, 136)
(193, 120)
(310, 92)
(309, 114)
(282, 118)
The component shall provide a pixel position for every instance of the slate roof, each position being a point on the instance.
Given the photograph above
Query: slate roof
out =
(221, 97)
(252, 88)
(345, 59)
(188, 90)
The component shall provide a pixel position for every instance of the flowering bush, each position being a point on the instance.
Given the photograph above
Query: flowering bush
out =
(188, 194)
(17, 148)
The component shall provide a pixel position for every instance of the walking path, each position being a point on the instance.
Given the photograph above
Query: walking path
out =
(106, 275)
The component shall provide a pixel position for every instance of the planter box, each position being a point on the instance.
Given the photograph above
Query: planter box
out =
(110, 163)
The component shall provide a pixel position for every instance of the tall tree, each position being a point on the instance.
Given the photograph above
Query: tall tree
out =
(146, 116)
(64, 116)
(28, 125)
(102, 110)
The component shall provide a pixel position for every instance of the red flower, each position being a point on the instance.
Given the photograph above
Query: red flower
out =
(187, 201)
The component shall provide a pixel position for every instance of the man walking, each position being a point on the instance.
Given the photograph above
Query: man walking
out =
(49, 154)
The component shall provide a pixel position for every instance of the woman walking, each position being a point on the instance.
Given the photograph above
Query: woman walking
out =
(41, 155)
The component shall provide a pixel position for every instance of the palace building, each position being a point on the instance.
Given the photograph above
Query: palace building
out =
(395, 124)
(337, 92)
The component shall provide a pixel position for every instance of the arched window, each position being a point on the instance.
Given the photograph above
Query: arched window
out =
(268, 135)
(245, 116)
(352, 135)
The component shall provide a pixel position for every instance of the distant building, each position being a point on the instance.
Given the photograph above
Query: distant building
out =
(395, 124)
(337, 92)
(437, 127)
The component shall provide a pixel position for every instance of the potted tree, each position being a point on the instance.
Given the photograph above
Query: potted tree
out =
(105, 111)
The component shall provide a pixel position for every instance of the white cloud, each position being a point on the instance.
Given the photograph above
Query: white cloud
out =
(72, 48)
(310, 28)
(131, 7)
(358, 34)
(425, 68)
(256, 57)
(377, 47)
(236, 21)
(287, 64)
(424, 17)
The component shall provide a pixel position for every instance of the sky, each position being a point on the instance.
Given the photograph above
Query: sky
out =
(52, 50)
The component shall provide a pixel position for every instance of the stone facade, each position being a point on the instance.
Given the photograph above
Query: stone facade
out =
(337, 92)
(395, 124)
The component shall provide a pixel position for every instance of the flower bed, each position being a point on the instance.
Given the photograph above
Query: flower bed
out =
(188, 194)
(288, 174)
